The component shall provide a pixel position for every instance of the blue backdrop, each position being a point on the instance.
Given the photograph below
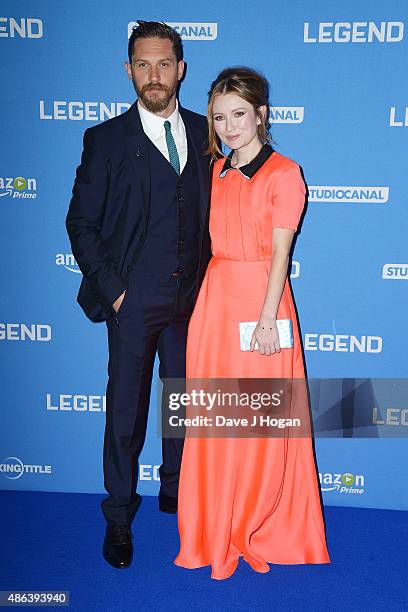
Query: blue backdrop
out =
(340, 98)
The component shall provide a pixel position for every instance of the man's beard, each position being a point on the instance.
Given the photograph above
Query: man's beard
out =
(155, 104)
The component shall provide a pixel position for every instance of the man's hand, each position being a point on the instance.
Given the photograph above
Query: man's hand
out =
(117, 303)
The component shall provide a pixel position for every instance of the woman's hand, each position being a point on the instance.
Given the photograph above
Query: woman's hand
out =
(267, 336)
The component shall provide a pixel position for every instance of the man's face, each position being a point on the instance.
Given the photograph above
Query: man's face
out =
(155, 72)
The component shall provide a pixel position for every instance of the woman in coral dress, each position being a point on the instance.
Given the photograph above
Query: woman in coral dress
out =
(252, 497)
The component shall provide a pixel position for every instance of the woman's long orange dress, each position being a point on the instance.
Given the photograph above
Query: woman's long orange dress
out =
(252, 497)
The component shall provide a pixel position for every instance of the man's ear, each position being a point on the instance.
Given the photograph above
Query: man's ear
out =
(128, 69)
(180, 69)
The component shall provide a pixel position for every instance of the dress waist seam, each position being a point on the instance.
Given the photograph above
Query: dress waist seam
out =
(241, 260)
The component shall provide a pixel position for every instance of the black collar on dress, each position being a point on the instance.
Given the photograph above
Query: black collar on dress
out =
(254, 165)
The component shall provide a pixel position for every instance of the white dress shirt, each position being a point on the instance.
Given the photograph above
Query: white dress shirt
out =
(153, 127)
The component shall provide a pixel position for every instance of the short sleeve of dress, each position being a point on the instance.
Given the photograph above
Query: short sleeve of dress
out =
(288, 198)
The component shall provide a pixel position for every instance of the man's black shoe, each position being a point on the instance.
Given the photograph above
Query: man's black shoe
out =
(117, 546)
(167, 504)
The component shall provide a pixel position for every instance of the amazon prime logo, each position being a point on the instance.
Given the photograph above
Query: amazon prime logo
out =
(345, 483)
(19, 188)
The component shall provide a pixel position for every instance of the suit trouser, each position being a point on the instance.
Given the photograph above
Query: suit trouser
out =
(154, 316)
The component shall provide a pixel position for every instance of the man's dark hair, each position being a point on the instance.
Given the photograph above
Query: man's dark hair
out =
(151, 29)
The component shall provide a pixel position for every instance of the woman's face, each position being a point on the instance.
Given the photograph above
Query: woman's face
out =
(235, 121)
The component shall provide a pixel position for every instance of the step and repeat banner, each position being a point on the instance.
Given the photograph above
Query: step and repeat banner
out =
(339, 99)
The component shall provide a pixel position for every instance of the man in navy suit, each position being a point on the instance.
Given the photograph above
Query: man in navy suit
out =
(138, 226)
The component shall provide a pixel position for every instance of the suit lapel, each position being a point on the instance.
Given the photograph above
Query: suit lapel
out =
(138, 153)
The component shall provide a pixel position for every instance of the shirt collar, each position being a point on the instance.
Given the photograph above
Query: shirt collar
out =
(155, 124)
(254, 165)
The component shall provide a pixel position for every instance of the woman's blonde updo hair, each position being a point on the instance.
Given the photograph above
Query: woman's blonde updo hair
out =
(248, 85)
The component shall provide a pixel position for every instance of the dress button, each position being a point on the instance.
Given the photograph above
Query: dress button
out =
(141, 237)
(129, 268)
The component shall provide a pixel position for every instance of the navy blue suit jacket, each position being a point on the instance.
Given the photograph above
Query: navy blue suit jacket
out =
(108, 216)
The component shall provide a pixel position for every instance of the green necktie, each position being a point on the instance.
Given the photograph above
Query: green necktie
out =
(171, 147)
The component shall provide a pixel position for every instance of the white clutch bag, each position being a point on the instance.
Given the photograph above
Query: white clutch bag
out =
(246, 329)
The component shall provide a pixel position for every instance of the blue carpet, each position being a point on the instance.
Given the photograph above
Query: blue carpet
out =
(53, 541)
